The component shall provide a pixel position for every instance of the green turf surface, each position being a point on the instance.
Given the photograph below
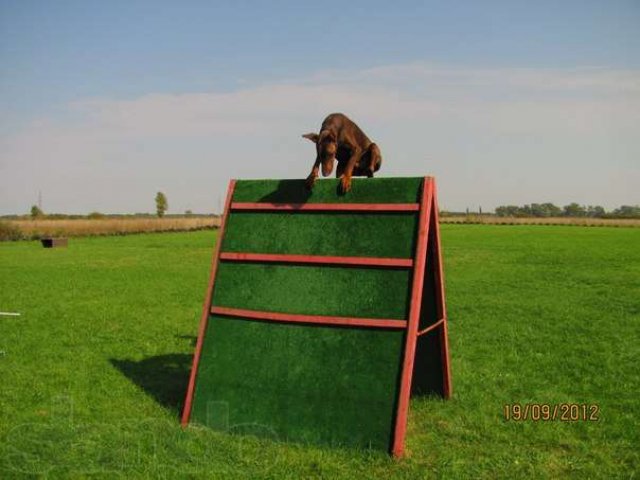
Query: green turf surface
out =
(92, 375)
(314, 233)
(314, 290)
(263, 378)
(365, 190)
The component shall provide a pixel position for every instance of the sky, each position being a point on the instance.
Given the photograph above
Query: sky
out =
(102, 104)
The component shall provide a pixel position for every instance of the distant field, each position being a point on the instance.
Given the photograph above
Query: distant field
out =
(93, 374)
(109, 226)
(33, 229)
(574, 221)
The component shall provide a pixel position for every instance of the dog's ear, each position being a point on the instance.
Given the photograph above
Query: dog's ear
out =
(311, 136)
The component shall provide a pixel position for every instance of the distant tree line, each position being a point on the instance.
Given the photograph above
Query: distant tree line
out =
(571, 210)
(162, 205)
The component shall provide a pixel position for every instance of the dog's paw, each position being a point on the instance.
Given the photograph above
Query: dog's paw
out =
(310, 182)
(345, 184)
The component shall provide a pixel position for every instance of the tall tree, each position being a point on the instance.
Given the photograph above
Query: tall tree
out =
(596, 211)
(162, 205)
(36, 212)
(574, 210)
(507, 211)
(551, 210)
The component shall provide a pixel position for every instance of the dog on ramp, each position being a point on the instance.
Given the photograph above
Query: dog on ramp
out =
(342, 140)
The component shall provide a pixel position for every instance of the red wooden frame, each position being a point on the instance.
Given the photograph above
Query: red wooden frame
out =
(428, 238)
(317, 259)
(441, 303)
(186, 411)
(329, 207)
(319, 319)
(414, 317)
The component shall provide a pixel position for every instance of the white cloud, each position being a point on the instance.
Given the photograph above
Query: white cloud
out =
(491, 135)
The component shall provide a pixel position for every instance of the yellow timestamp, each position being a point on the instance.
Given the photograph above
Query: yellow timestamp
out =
(546, 412)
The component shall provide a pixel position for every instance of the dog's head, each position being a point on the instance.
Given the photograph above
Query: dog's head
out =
(326, 148)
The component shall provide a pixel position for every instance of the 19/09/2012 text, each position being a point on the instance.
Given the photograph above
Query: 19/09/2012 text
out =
(545, 412)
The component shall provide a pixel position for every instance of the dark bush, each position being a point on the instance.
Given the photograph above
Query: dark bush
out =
(9, 231)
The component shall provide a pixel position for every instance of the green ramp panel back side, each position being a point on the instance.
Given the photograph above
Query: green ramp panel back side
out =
(324, 313)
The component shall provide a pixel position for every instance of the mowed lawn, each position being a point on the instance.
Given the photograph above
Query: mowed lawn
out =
(93, 374)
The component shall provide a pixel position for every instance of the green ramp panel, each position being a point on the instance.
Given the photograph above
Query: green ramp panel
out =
(324, 313)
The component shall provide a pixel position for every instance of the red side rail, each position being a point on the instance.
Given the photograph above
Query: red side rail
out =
(414, 317)
(329, 207)
(186, 411)
(440, 300)
(317, 259)
(317, 319)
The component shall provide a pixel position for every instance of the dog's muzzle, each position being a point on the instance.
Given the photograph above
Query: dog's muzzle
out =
(327, 167)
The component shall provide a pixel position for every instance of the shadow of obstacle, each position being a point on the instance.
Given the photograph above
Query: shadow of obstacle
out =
(163, 377)
(288, 191)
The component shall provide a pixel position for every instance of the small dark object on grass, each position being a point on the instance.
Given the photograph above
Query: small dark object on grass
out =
(50, 242)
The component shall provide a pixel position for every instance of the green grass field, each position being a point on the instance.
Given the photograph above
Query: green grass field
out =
(92, 375)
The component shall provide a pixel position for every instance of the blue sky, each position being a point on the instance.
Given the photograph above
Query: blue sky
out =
(83, 84)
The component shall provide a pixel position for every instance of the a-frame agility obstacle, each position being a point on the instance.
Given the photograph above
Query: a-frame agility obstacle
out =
(324, 313)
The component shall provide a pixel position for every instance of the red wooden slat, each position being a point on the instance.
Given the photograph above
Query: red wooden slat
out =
(186, 411)
(400, 430)
(317, 259)
(328, 207)
(431, 327)
(317, 319)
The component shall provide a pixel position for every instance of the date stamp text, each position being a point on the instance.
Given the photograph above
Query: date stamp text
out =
(546, 412)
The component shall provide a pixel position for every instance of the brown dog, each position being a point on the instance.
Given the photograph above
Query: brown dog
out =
(341, 139)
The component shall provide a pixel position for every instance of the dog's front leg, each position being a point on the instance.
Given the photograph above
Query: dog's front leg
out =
(345, 183)
(374, 159)
(315, 171)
